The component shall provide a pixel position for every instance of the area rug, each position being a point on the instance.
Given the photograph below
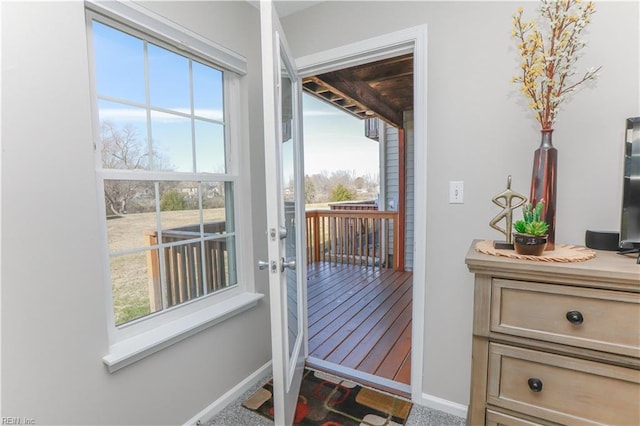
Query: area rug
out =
(331, 401)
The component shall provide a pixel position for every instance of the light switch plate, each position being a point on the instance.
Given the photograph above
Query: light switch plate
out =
(456, 192)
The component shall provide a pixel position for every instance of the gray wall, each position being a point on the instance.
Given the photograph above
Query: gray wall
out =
(54, 331)
(479, 131)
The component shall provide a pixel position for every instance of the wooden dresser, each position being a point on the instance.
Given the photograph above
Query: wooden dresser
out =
(555, 343)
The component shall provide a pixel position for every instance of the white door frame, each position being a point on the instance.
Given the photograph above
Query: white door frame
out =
(410, 40)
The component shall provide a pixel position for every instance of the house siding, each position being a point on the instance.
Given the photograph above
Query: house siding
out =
(409, 190)
(392, 179)
(391, 167)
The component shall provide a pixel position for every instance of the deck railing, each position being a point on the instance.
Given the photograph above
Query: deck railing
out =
(355, 205)
(359, 237)
(184, 264)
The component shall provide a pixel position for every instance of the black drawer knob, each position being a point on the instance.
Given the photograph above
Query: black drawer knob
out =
(535, 384)
(575, 317)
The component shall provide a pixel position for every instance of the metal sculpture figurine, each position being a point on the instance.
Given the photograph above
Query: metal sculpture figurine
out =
(504, 200)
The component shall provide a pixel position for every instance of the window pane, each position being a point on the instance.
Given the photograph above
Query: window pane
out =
(183, 272)
(168, 80)
(132, 282)
(217, 205)
(119, 63)
(210, 147)
(179, 210)
(220, 264)
(171, 135)
(130, 213)
(123, 134)
(231, 247)
(207, 92)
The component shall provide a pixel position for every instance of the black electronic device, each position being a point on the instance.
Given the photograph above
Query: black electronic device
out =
(602, 240)
(630, 221)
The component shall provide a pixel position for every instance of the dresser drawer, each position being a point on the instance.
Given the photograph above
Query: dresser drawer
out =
(603, 320)
(496, 418)
(562, 389)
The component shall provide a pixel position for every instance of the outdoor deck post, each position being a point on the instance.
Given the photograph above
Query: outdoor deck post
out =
(398, 248)
(316, 237)
(153, 266)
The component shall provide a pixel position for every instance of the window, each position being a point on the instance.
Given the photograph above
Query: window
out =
(163, 164)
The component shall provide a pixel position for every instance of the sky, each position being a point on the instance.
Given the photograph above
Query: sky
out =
(333, 139)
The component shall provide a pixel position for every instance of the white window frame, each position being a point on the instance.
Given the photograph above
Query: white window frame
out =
(139, 338)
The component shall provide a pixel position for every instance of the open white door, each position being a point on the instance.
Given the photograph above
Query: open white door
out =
(285, 215)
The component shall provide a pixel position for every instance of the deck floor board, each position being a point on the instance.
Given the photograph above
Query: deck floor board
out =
(361, 318)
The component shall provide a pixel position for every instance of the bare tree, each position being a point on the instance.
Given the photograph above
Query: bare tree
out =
(309, 190)
(123, 148)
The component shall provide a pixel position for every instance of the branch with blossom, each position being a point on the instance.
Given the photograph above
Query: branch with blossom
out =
(548, 60)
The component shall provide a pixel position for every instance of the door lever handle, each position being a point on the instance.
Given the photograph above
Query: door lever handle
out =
(282, 232)
(262, 264)
(291, 264)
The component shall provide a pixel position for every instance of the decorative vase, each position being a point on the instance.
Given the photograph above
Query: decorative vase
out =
(530, 245)
(543, 182)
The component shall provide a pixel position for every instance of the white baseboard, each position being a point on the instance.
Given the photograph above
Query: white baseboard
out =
(216, 406)
(443, 405)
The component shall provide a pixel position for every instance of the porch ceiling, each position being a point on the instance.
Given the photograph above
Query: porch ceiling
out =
(382, 89)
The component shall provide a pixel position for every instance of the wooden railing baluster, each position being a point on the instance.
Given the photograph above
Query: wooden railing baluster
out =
(184, 266)
(153, 268)
(358, 237)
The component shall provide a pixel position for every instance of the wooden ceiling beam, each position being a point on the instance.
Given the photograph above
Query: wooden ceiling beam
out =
(347, 84)
(382, 72)
(319, 89)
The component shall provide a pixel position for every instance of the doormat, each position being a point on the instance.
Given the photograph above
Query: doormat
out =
(331, 401)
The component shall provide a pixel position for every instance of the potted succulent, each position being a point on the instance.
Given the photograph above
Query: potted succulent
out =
(530, 236)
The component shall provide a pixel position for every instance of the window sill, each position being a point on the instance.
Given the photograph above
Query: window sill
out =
(138, 347)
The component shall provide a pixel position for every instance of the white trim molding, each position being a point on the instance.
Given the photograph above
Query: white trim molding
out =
(230, 396)
(410, 40)
(141, 17)
(362, 52)
(142, 345)
(443, 405)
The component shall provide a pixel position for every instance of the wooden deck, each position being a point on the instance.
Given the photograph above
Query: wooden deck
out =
(360, 319)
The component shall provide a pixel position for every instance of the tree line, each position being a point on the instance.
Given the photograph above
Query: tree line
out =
(338, 186)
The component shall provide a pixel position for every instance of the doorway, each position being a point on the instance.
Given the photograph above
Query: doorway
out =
(403, 296)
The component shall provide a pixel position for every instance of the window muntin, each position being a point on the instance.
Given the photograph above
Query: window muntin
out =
(163, 166)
